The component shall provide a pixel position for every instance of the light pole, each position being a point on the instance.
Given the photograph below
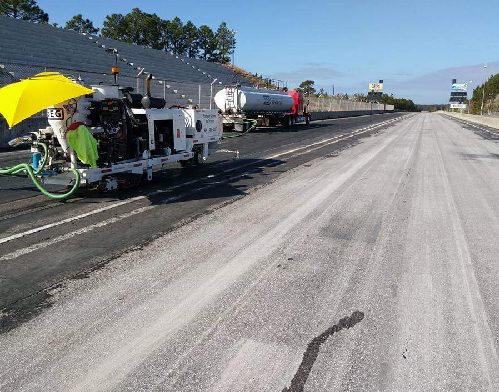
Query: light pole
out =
(211, 90)
(469, 101)
(138, 78)
(483, 93)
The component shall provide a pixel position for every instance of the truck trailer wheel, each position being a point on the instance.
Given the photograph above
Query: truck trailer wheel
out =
(287, 121)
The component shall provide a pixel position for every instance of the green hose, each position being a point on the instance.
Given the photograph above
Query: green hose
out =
(33, 173)
(253, 127)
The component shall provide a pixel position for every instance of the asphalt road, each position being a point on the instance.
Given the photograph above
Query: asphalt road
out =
(316, 267)
(44, 242)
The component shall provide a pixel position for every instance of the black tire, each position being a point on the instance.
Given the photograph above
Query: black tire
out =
(286, 122)
(196, 160)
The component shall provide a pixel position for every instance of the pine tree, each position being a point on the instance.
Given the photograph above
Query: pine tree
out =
(77, 23)
(23, 9)
(226, 43)
(206, 43)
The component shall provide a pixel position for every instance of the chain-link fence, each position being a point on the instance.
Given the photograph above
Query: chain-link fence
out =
(174, 92)
(335, 104)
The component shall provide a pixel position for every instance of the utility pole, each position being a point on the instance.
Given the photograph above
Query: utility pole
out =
(483, 93)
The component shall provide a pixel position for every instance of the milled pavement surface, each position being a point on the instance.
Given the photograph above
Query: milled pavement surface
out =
(372, 270)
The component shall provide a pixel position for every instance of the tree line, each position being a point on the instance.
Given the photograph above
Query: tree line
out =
(490, 96)
(402, 104)
(185, 39)
(142, 28)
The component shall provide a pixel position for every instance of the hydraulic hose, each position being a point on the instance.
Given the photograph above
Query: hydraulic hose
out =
(251, 128)
(32, 173)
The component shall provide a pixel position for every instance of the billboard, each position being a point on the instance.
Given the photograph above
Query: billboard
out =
(458, 94)
(376, 87)
(463, 87)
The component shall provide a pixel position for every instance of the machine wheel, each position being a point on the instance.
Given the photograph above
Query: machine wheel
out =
(197, 160)
(185, 164)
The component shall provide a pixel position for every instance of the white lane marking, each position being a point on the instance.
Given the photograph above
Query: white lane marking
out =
(345, 118)
(324, 143)
(301, 148)
(68, 220)
(71, 234)
(86, 229)
(93, 212)
(332, 140)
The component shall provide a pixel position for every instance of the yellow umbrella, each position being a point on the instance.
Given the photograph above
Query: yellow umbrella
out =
(22, 99)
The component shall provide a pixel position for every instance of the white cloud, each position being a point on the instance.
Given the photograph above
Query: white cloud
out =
(318, 72)
(434, 87)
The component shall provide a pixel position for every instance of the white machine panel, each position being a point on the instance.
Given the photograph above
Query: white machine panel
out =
(179, 132)
(203, 125)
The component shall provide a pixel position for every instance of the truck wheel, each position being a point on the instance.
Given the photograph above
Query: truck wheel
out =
(307, 120)
(286, 121)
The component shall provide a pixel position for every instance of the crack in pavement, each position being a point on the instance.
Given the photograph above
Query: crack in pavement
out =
(310, 355)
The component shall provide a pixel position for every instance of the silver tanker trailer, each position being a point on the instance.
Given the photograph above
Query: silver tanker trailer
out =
(239, 104)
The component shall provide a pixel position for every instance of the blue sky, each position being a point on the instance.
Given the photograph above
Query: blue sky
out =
(416, 47)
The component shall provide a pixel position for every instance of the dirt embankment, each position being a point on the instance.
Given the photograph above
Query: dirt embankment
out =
(492, 122)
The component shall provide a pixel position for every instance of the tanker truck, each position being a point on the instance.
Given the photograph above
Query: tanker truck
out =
(238, 104)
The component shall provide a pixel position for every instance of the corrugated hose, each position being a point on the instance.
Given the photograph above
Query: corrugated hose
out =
(32, 174)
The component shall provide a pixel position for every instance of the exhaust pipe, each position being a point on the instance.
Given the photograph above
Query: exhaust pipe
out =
(148, 85)
(147, 101)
